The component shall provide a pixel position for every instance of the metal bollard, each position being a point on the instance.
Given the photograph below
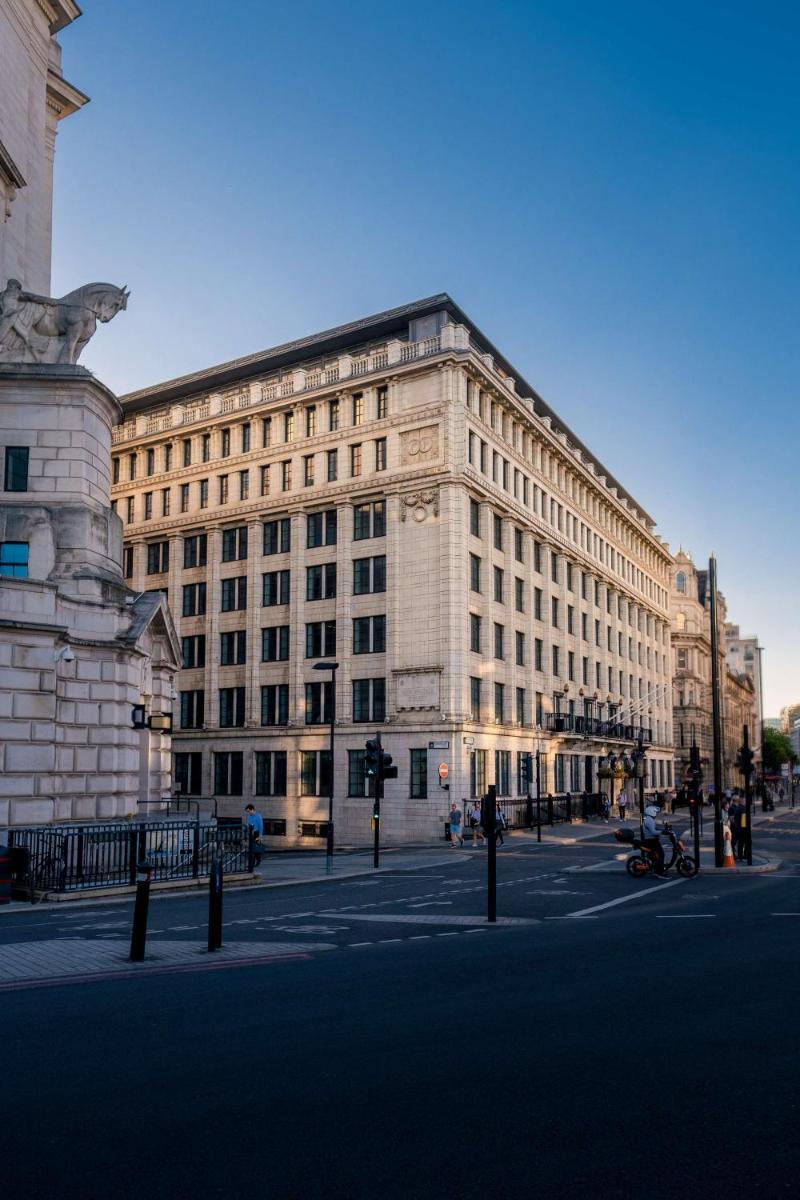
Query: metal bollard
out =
(215, 905)
(141, 905)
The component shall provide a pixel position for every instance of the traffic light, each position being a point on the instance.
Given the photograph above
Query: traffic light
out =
(372, 757)
(744, 760)
(388, 771)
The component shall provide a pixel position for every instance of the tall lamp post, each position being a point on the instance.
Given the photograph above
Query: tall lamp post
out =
(333, 668)
(538, 784)
(639, 762)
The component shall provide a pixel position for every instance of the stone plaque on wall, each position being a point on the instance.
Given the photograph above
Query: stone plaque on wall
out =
(417, 689)
(419, 445)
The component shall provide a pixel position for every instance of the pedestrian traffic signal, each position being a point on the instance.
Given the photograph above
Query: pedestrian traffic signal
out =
(388, 771)
(372, 757)
(744, 760)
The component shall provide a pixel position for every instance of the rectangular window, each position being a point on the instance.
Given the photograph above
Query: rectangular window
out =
(320, 639)
(418, 775)
(554, 612)
(246, 438)
(192, 709)
(148, 506)
(225, 443)
(270, 772)
(538, 651)
(150, 462)
(537, 603)
(222, 480)
(333, 415)
(519, 551)
(277, 536)
(233, 648)
(266, 432)
(194, 600)
(477, 773)
(311, 421)
(228, 773)
(358, 408)
(321, 581)
(498, 585)
(275, 704)
(519, 595)
(308, 470)
(234, 544)
(382, 401)
(499, 703)
(474, 698)
(369, 635)
(234, 594)
(502, 772)
(570, 619)
(355, 460)
(475, 633)
(554, 567)
(380, 454)
(359, 784)
(275, 588)
(474, 573)
(195, 550)
(333, 465)
(369, 575)
(286, 475)
(369, 520)
(193, 651)
(131, 466)
(157, 558)
(205, 447)
(288, 427)
(570, 665)
(569, 577)
(203, 493)
(275, 643)
(165, 502)
(186, 446)
(520, 706)
(475, 518)
(319, 703)
(537, 557)
(315, 772)
(321, 529)
(497, 525)
(127, 560)
(499, 632)
(16, 472)
(189, 774)
(14, 559)
(519, 639)
(114, 471)
(263, 475)
(369, 699)
(244, 485)
(556, 662)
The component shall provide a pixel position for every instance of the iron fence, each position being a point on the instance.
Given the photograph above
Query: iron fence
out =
(97, 856)
(554, 808)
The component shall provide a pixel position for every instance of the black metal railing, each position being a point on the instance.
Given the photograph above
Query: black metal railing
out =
(55, 859)
(554, 808)
(591, 727)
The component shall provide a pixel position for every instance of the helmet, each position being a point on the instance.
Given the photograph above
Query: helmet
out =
(652, 810)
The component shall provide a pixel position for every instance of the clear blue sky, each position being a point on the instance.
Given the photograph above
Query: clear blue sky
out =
(609, 189)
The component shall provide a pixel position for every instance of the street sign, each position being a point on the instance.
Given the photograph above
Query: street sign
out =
(438, 745)
(443, 770)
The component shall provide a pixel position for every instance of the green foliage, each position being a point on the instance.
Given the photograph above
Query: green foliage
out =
(777, 749)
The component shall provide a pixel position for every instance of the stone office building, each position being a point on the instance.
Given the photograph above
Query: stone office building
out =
(392, 496)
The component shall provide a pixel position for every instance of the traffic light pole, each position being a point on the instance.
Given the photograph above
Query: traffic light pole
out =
(489, 822)
(376, 820)
(746, 768)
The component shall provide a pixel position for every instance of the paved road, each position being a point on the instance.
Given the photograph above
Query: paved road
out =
(405, 1049)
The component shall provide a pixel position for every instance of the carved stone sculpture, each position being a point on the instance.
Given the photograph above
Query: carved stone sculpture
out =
(40, 329)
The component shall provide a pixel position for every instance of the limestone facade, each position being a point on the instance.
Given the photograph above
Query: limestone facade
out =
(743, 657)
(391, 496)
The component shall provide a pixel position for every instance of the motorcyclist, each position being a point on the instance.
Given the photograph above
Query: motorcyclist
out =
(652, 840)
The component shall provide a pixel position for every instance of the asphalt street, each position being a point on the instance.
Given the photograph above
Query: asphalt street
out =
(616, 1037)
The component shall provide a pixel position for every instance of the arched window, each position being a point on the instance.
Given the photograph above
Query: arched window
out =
(680, 622)
(680, 581)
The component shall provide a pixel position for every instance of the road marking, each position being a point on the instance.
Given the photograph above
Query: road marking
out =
(354, 945)
(683, 916)
(385, 941)
(784, 914)
(426, 937)
(432, 904)
(456, 934)
(585, 912)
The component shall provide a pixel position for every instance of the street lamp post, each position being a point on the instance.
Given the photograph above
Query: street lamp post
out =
(332, 667)
(538, 785)
(640, 767)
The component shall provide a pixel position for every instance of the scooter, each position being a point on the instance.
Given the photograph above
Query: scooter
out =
(640, 864)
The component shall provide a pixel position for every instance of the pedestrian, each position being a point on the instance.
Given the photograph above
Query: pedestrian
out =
(606, 803)
(735, 813)
(475, 824)
(456, 817)
(255, 830)
(621, 803)
(499, 823)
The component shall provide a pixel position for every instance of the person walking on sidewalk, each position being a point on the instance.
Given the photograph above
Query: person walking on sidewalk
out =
(499, 823)
(456, 817)
(255, 830)
(622, 802)
(735, 814)
(475, 824)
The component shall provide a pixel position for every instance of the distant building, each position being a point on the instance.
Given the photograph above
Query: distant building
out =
(789, 715)
(743, 657)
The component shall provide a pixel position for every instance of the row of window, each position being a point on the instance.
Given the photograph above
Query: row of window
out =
(368, 695)
(369, 637)
(160, 459)
(369, 576)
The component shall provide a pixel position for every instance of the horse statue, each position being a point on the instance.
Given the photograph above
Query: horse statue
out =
(41, 329)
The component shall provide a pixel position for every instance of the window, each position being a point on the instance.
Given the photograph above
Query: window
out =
(233, 648)
(127, 561)
(193, 651)
(311, 421)
(16, 473)
(319, 703)
(369, 575)
(554, 567)
(231, 707)
(502, 772)
(234, 594)
(477, 773)
(474, 698)
(225, 443)
(380, 454)
(275, 643)
(195, 550)
(205, 447)
(333, 465)
(321, 581)
(475, 633)
(682, 659)
(569, 577)
(234, 544)
(308, 470)
(244, 485)
(382, 402)
(192, 710)
(320, 639)
(474, 573)
(498, 532)
(519, 639)
(556, 662)
(369, 699)
(519, 595)
(499, 703)
(203, 493)
(498, 585)
(369, 635)
(570, 665)
(538, 650)
(246, 438)
(418, 775)
(275, 588)
(570, 619)
(277, 536)
(288, 427)
(165, 502)
(333, 415)
(355, 460)
(131, 466)
(263, 476)
(148, 506)
(520, 706)
(266, 432)
(584, 670)
(315, 772)
(114, 470)
(537, 603)
(270, 772)
(150, 460)
(157, 558)
(358, 408)
(519, 552)
(194, 600)
(358, 782)
(680, 582)
(186, 445)
(228, 773)
(275, 704)
(369, 520)
(554, 611)
(321, 529)
(286, 475)
(499, 633)
(14, 559)
(537, 557)
(475, 518)
(189, 774)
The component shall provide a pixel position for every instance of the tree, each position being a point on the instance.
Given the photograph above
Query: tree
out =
(777, 749)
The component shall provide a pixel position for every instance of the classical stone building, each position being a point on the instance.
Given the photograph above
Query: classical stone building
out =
(743, 657)
(392, 496)
(78, 648)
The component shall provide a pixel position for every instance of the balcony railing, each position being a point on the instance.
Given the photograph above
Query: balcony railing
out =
(592, 727)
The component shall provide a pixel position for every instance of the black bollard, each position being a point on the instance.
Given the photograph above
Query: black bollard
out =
(141, 905)
(215, 905)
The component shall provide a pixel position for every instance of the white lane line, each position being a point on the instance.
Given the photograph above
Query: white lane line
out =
(684, 916)
(432, 904)
(421, 937)
(385, 941)
(456, 934)
(585, 912)
(353, 945)
(784, 914)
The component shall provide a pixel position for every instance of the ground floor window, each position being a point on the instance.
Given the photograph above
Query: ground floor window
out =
(419, 775)
(270, 772)
(502, 772)
(477, 773)
(315, 772)
(189, 774)
(358, 784)
(560, 773)
(228, 773)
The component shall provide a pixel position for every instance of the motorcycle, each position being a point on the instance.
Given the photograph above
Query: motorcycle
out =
(639, 864)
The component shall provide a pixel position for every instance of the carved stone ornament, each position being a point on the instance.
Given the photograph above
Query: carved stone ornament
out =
(419, 445)
(40, 329)
(420, 505)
